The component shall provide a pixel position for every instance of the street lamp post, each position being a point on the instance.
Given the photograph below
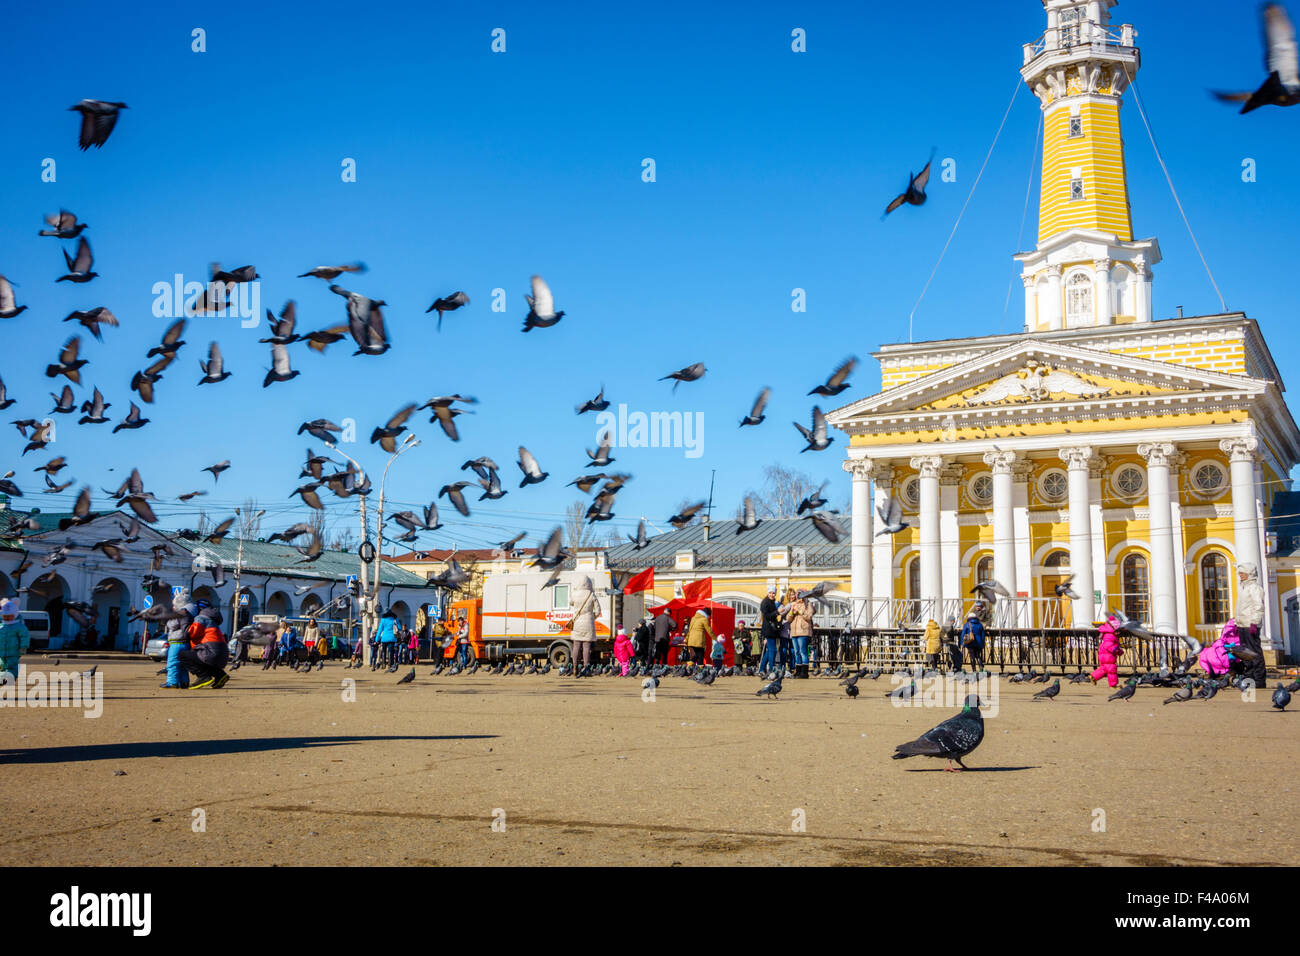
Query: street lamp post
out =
(367, 594)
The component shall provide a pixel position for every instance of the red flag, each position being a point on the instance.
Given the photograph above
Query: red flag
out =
(640, 582)
(698, 591)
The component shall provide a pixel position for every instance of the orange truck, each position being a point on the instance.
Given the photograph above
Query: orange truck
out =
(518, 617)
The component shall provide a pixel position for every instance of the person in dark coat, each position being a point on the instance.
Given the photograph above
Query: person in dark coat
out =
(644, 641)
(770, 630)
(663, 634)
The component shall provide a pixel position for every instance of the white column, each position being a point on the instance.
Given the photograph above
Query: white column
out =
(949, 534)
(1101, 291)
(1098, 466)
(1164, 614)
(1245, 505)
(1004, 528)
(1031, 303)
(1052, 312)
(882, 546)
(1142, 293)
(861, 532)
(1024, 554)
(931, 585)
(1179, 542)
(1076, 459)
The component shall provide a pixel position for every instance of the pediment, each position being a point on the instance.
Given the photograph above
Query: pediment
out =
(1033, 372)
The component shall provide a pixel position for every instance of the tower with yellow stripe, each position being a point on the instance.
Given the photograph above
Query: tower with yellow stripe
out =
(1087, 269)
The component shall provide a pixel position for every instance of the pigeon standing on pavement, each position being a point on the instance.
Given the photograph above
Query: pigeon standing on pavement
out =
(1281, 697)
(769, 690)
(1048, 693)
(953, 739)
(1125, 692)
(408, 678)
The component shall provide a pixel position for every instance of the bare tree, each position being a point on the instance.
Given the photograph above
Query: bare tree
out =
(250, 522)
(577, 532)
(343, 540)
(782, 490)
(204, 525)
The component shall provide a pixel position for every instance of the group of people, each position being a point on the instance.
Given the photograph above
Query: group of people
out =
(196, 645)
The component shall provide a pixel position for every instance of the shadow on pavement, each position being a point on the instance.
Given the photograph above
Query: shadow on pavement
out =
(197, 748)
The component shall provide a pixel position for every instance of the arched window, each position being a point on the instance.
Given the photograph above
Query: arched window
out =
(984, 569)
(1216, 589)
(1136, 588)
(914, 579)
(1057, 559)
(746, 609)
(1078, 300)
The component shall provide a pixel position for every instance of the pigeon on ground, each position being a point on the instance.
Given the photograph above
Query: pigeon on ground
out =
(756, 415)
(914, 195)
(953, 739)
(1282, 88)
(771, 689)
(408, 678)
(836, 383)
(1047, 693)
(98, 117)
(852, 690)
(1180, 695)
(1125, 692)
(1281, 697)
(816, 436)
(904, 692)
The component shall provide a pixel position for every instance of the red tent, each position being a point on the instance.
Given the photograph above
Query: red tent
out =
(721, 617)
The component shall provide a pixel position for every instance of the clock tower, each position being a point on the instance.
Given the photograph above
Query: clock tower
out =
(1087, 270)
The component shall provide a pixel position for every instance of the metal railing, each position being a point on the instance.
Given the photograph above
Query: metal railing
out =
(1082, 33)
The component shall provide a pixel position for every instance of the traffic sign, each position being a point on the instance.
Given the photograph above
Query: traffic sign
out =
(243, 600)
(435, 612)
(351, 579)
(177, 592)
(148, 601)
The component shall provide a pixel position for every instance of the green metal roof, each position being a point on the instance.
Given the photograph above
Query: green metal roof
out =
(725, 550)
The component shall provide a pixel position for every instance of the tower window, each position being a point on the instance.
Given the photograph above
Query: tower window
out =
(1076, 126)
(1078, 301)
(1076, 189)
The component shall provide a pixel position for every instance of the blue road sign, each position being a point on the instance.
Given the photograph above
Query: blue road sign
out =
(177, 592)
(243, 600)
(435, 612)
(351, 580)
(148, 601)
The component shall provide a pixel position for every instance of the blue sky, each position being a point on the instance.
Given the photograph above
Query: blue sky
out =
(475, 170)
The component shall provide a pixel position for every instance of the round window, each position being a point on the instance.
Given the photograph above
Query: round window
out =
(981, 489)
(911, 492)
(1130, 481)
(1054, 486)
(1208, 479)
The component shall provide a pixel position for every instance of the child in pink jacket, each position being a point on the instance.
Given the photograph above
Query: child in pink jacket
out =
(1108, 653)
(623, 650)
(1215, 659)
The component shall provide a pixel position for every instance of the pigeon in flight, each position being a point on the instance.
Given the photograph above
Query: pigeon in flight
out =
(7, 307)
(492, 489)
(640, 541)
(816, 436)
(64, 225)
(1126, 623)
(80, 269)
(483, 466)
(53, 466)
(330, 273)
(597, 404)
(280, 371)
(601, 509)
(836, 383)
(69, 365)
(64, 404)
(553, 553)
(990, 591)
(190, 494)
(321, 428)
(40, 436)
(1064, 589)
(386, 436)
(1282, 88)
(814, 502)
(448, 303)
(541, 307)
(827, 528)
(171, 341)
(456, 496)
(533, 473)
(98, 117)
(54, 489)
(320, 340)
(132, 420)
(234, 276)
(217, 469)
(92, 319)
(891, 518)
(756, 415)
(93, 410)
(748, 520)
(214, 368)
(686, 515)
(1048, 693)
(365, 322)
(291, 532)
(914, 195)
(600, 457)
(282, 328)
(953, 739)
(143, 382)
(688, 374)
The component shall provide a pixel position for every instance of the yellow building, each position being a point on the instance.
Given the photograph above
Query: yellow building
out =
(1138, 459)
